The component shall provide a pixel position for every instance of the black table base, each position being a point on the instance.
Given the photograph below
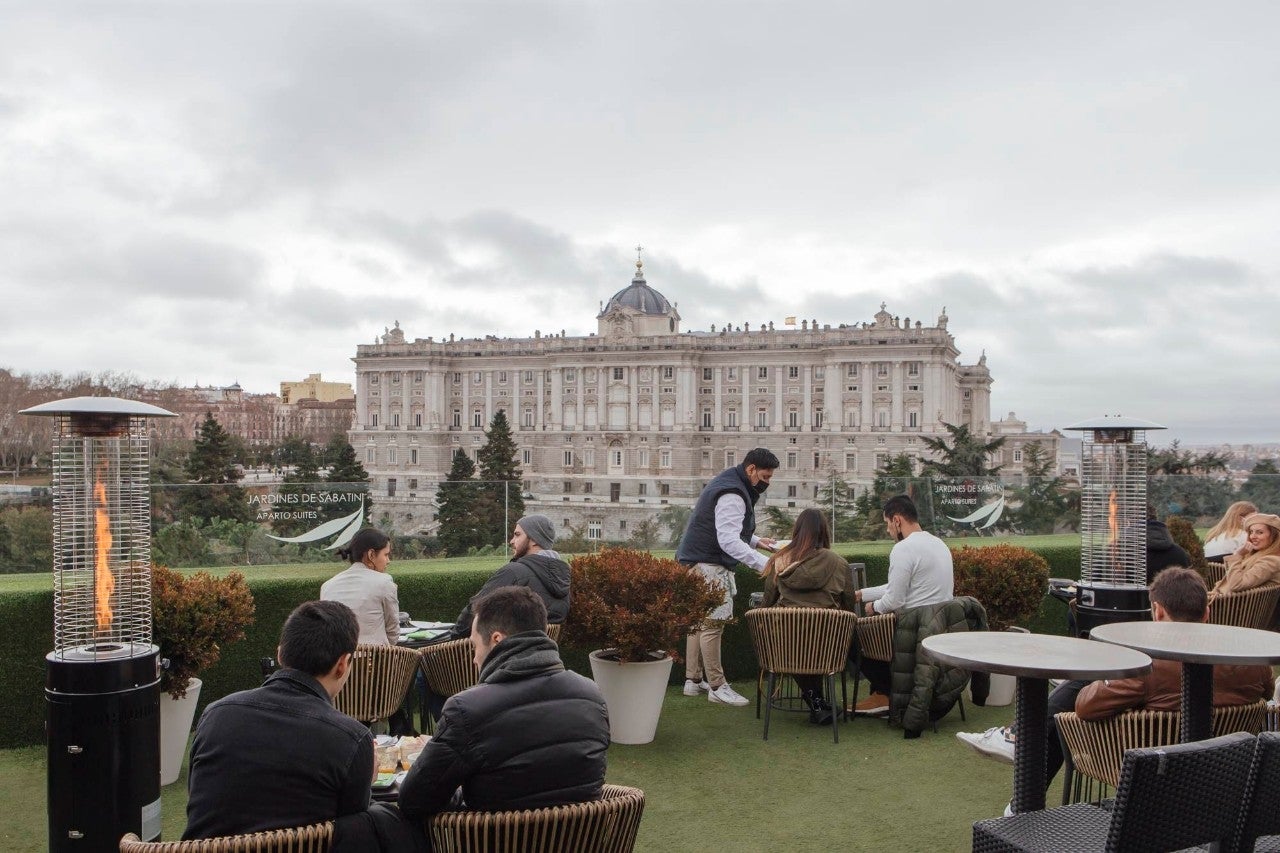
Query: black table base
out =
(1030, 716)
(1197, 701)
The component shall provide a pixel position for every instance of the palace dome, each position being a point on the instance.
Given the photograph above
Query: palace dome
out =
(639, 296)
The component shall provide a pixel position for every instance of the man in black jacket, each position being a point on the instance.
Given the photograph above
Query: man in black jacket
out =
(535, 565)
(281, 755)
(531, 734)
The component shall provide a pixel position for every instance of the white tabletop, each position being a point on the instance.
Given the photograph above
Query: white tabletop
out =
(1036, 655)
(1194, 642)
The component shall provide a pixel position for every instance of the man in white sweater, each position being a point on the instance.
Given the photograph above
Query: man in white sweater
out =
(920, 573)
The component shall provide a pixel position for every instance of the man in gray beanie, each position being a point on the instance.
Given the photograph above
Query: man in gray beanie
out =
(535, 565)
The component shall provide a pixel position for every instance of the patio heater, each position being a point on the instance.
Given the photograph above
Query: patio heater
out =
(1113, 522)
(102, 687)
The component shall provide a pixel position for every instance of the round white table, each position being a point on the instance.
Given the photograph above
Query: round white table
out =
(1033, 659)
(1198, 645)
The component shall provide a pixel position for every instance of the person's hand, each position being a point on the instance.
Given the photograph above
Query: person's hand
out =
(871, 608)
(857, 596)
(768, 542)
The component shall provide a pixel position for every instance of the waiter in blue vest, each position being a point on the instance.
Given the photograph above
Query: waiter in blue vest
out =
(721, 534)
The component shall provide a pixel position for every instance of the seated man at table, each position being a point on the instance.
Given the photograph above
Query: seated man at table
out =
(281, 755)
(920, 573)
(1177, 595)
(530, 734)
(534, 565)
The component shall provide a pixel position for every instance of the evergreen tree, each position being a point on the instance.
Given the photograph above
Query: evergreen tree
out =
(838, 503)
(1189, 484)
(675, 518)
(893, 478)
(1042, 501)
(348, 481)
(299, 482)
(460, 528)
(966, 456)
(778, 521)
(1263, 486)
(502, 501)
(212, 465)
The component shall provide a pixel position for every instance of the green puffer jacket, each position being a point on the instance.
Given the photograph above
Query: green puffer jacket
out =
(924, 691)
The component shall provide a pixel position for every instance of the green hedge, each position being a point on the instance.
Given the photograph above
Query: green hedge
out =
(28, 635)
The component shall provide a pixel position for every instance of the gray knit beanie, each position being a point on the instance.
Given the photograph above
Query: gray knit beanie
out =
(539, 529)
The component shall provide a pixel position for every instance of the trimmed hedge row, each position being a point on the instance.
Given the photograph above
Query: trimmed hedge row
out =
(28, 634)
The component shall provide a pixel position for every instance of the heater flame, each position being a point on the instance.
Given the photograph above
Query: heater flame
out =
(104, 583)
(1113, 518)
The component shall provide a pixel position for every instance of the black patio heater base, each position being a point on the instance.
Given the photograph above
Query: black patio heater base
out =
(1101, 604)
(104, 750)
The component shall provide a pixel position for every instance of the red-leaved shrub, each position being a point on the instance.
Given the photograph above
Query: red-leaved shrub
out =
(633, 603)
(193, 616)
(1010, 581)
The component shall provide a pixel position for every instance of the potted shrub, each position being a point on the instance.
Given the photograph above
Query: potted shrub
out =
(634, 609)
(1183, 533)
(193, 616)
(1010, 581)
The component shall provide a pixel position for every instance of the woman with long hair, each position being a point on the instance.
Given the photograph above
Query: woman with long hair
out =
(1257, 563)
(807, 573)
(1228, 534)
(366, 587)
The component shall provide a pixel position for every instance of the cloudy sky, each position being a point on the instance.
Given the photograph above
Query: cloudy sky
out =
(233, 191)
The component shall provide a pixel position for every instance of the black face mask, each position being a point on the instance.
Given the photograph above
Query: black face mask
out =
(760, 487)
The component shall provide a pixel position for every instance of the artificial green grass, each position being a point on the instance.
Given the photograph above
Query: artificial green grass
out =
(712, 784)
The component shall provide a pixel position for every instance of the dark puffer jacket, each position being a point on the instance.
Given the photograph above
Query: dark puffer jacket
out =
(544, 573)
(529, 735)
(922, 690)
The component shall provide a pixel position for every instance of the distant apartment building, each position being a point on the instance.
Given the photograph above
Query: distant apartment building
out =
(642, 413)
(314, 388)
(260, 418)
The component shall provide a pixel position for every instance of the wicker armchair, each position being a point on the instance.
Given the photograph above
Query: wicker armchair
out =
(606, 825)
(553, 630)
(801, 641)
(1260, 823)
(306, 839)
(1253, 608)
(380, 679)
(875, 642)
(1169, 798)
(1213, 572)
(1095, 749)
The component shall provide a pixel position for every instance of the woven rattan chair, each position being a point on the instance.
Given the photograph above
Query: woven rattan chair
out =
(1260, 821)
(307, 839)
(1169, 798)
(553, 631)
(380, 679)
(1273, 718)
(1252, 608)
(1213, 572)
(1095, 749)
(801, 641)
(606, 825)
(875, 642)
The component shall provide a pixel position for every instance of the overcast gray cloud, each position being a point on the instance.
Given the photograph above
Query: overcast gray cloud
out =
(216, 191)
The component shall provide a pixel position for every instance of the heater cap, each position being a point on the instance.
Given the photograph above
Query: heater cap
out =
(1114, 422)
(99, 406)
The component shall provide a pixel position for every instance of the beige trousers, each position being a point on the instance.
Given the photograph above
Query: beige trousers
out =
(702, 653)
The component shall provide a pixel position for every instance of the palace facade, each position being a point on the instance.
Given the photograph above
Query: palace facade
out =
(615, 424)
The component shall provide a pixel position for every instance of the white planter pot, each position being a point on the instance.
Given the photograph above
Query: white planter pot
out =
(176, 716)
(634, 693)
(1003, 687)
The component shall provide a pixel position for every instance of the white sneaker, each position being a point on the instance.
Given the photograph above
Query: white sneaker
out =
(996, 742)
(726, 695)
(693, 688)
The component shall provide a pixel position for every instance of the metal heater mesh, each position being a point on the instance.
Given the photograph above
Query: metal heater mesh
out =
(101, 538)
(1113, 511)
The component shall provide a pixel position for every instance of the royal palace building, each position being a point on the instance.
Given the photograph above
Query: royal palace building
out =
(640, 414)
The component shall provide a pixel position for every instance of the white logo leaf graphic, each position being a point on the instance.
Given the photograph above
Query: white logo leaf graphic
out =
(990, 513)
(326, 529)
(349, 532)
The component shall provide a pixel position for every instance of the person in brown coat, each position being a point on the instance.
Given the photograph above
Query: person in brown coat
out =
(807, 573)
(1257, 563)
